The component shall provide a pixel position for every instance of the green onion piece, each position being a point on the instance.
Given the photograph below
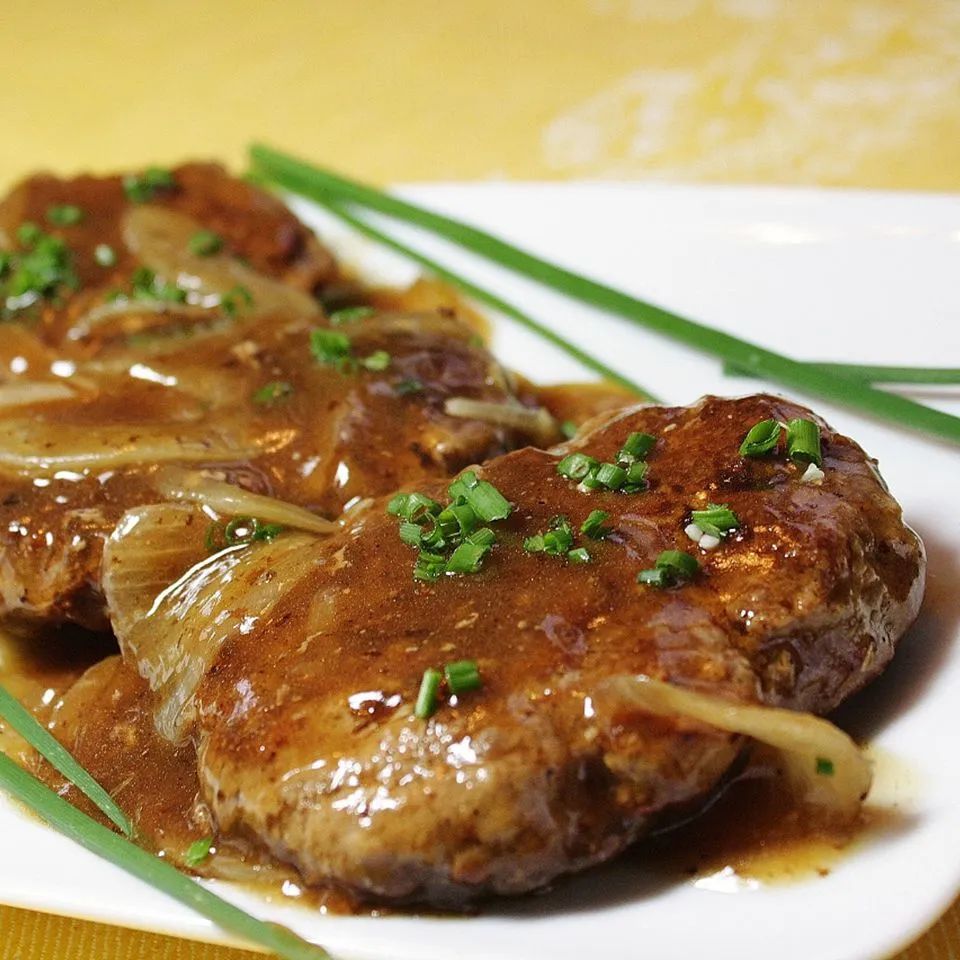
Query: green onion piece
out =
(407, 386)
(569, 429)
(429, 566)
(141, 188)
(267, 531)
(803, 442)
(578, 555)
(411, 533)
(467, 558)
(462, 676)
(105, 255)
(234, 299)
(717, 520)
(427, 698)
(59, 757)
(761, 438)
(205, 243)
(103, 842)
(484, 537)
(198, 851)
(611, 476)
(636, 477)
(559, 538)
(239, 530)
(487, 501)
(671, 567)
(636, 447)
(64, 214)
(595, 525)
(6, 260)
(413, 506)
(377, 361)
(329, 346)
(213, 540)
(350, 315)
(876, 373)
(458, 519)
(576, 466)
(270, 394)
(333, 191)
(28, 233)
(534, 544)
(824, 767)
(464, 483)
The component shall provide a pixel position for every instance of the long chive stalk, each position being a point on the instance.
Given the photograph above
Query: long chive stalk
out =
(309, 181)
(102, 841)
(57, 754)
(485, 296)
(873, 373)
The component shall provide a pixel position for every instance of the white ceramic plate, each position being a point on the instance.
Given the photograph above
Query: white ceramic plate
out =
(821, 275)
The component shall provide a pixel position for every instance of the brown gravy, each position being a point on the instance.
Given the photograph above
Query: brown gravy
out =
(752, 833)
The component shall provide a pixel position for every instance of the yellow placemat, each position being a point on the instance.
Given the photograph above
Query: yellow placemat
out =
(858, 93)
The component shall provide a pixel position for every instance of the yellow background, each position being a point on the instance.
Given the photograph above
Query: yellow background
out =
(840, 92)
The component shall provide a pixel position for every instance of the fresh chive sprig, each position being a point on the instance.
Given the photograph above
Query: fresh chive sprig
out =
(55, 753)
(123, 853)
(333, 190)
(875, 373)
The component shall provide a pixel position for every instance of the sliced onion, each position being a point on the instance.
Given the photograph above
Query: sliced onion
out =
(161, 239)
(124, 307)
(25, 393)
(36, 449)
(824, 765)
(172, 630)
(229, 500)
(535, 421)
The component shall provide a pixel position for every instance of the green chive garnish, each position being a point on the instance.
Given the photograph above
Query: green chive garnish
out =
(377, 361)
(595, 525)
(145, 866)
(57, 755)
(578, 555)
(235, 299)
(329, 346)
(761, 438)
(427, 698)
(576, 466)
(824, 767)
(270, 394)
(611, 476)
(198, 851)
(636, 447)
(671, 567)
(717, 520)
(803, 442)
(487, 501)
(462, 676)
(28, 233)
(429, 566)
(569, 429)
(143, 187)
(205, 243)
(64, 215)
(350, 315)
(105, 255)
(467, 558)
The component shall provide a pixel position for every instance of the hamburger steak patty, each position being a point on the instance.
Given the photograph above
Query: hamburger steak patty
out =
(304, 718)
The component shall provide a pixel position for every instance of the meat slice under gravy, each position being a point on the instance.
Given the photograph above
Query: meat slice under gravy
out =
(294, 666)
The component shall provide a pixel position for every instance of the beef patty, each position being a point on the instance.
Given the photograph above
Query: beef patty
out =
(295, 666)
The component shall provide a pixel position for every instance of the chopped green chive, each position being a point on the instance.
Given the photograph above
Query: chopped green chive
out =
(671, 567)
(636, 447)
(411, 533)
(41, 269)
(105, 255)
(235, 299)
(429, 566)
(146, 285)
(64, 215)
(824, 767)
(407, 386)
(412, 506)
(569, 429)
(329, 346)
(803, 442)
(595, 525)
(578, 555)
(427, 698)
(483, 537)
(761, 438)
(467, 558)
(576, 466)
(462, 676)
(636, 477)
(240, 530)
(28, 233)
(377, 361)
(270, 394)
(487, 501)
(205, 243)
(143, 187)
(717, 520)
(350, 315)
(611, 476)
(198, 851)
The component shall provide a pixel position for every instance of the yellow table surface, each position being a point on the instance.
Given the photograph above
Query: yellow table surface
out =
(862, 93)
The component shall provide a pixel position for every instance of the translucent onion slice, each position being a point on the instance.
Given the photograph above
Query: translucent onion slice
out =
(228, 499)
(25, 393)
(36, 449)
(161, 239)
(537, 422)
(173, 635)
(123, 308)
(824, 765)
